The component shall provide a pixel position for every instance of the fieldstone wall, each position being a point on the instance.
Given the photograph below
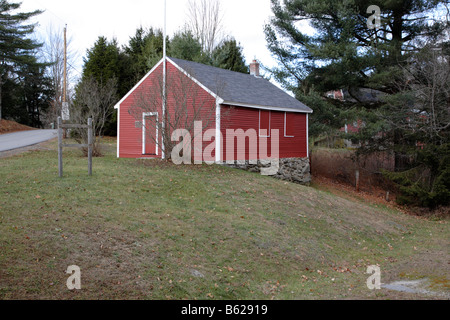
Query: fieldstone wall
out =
(291, 169)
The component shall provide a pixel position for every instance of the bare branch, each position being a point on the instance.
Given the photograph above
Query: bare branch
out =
(205, 20)
(94, 100)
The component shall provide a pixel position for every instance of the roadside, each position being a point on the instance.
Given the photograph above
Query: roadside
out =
(22, 139)
(7, 126)
(47, 145)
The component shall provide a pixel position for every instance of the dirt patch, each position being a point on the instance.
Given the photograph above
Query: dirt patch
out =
(376, 195)
(421, 286)
(334, 170)
(8, 126)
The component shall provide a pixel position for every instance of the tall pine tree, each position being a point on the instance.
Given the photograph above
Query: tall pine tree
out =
(228, 55)
(342, 51)
(17, 50)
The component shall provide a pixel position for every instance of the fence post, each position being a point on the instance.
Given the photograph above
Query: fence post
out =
(357, 180)
(60, 147)
(90, 143)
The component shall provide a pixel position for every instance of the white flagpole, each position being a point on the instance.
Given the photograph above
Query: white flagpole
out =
(164, 80)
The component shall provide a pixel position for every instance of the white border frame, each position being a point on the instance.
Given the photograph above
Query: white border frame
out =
(144, 131)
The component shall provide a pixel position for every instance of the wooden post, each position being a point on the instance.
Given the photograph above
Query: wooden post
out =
(90, 143)
(60, 147)
(357, 180)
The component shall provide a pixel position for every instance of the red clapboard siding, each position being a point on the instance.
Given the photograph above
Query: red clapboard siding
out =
(130, 136)
(248, 118)
(200, 103)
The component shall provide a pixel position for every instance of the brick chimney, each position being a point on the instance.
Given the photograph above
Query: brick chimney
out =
(254, 68)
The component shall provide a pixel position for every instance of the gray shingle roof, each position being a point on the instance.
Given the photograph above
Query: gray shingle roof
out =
(241, 89)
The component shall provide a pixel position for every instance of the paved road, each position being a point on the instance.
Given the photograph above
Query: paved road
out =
(22, 139)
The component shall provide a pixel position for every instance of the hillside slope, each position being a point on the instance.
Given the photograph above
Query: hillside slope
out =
(151, 230)
(8, 126)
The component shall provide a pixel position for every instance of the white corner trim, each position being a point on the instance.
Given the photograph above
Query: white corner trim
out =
(218, 133)
(307, 135)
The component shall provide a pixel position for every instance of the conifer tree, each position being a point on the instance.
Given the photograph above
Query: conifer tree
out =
(228, 55)
(17, 50)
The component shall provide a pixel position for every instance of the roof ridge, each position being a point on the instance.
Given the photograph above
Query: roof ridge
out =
(217, 68)
(241, 88)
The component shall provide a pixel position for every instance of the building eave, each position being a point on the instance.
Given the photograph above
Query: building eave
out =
(271, 108)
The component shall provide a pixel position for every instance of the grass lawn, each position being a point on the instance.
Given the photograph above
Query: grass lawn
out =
(151, 230)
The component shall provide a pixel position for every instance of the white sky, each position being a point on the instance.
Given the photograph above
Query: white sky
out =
(88, 19)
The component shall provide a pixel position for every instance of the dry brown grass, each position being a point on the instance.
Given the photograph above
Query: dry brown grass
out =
(147, 229)
(340, 167)
(7, 126)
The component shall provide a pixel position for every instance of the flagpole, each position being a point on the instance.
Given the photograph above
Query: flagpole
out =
(164, 106)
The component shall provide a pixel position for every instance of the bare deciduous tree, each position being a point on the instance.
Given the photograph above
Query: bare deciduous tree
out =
(186, 106)
(94, 100)
(205, 21)
(53, 52)
(423, 105)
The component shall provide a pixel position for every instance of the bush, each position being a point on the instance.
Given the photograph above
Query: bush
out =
(427, 183)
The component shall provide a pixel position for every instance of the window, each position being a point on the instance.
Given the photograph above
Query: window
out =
(264, 124)
(289, 125)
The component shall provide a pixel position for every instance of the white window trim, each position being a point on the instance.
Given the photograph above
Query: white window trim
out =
(285, 127)
(270, 124)
(144, 131)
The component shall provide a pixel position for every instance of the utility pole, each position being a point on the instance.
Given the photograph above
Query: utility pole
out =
(65, 106)
(164, 98)
(65, 67)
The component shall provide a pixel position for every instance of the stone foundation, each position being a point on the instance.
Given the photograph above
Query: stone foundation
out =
(291, 169)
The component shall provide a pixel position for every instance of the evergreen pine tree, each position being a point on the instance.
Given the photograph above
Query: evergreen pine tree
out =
(16, 49)
(228, 55)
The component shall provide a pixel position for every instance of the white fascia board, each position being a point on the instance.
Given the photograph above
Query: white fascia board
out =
(219, 99)
(245, 105)
(138, 84)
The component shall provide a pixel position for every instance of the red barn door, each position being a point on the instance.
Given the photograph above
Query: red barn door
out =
(150, 134)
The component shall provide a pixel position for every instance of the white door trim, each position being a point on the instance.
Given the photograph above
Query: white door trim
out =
(144, 131)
